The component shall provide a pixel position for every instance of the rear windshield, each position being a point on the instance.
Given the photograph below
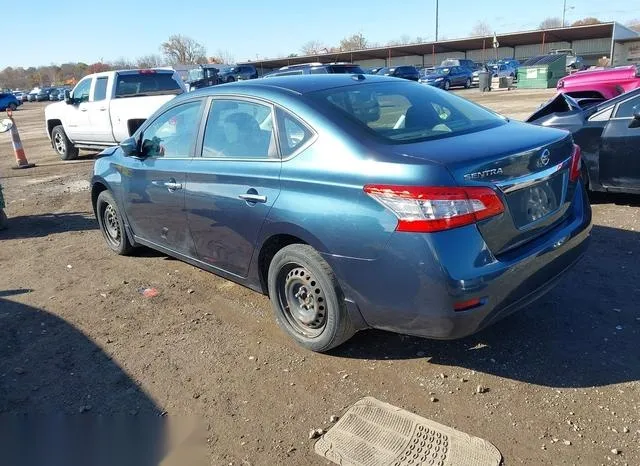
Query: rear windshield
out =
(141, 84)
(406, 112)
(346, 69)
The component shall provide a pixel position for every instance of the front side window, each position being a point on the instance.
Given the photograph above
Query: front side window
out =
(625, 109)
(239, 129)
(81, 91)
(173, 134)
(406, 112)
(100, 90)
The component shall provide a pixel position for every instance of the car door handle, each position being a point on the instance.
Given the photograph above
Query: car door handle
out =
(253, 197)
(102, 109)
(83, 109)
(171, 185)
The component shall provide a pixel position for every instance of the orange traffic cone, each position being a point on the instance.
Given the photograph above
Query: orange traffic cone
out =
(21, 158)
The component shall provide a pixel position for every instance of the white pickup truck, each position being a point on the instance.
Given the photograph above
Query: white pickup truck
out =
(105, 108)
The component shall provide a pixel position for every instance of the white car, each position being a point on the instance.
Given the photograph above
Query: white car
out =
(105, 108)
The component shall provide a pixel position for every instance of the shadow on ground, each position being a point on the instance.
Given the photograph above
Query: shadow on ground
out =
(36, 226)
(58, 385)
(585, 332)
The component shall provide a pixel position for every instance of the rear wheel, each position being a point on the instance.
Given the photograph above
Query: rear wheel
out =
(467, 84)
(231, 79)
(112, 225)
(307, 299)
(446, 86)
(62, 145)
(12, 107)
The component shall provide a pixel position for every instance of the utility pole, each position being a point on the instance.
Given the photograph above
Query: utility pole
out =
(437, 20)
(564, 11)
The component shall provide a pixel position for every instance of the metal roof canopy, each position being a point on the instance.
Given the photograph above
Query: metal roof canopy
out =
(567, 34)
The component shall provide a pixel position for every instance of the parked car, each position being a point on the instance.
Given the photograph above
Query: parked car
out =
(373, 70)
(228, 74)
(62, 92)
(316, 68)
(515, 64)
(574, 62)
(603, 84)
(284, 185)
(43, 94)
(105, 108)
(203, 76)
(502, 70)
(608, 133)
(53, 95)
(8, 101)
(32, 96)
(405, 72)
(21, 96)
(449, 62)
(446, 77)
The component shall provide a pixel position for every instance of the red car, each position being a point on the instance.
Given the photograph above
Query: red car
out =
(601, 84)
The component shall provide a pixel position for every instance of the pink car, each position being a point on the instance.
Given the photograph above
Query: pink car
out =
(601, 84)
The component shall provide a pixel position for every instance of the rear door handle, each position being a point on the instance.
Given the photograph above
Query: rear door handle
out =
(171, 185)
(253, 197)
(102, 109)
(83, 109)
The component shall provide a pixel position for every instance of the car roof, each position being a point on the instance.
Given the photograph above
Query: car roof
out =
(300, 84)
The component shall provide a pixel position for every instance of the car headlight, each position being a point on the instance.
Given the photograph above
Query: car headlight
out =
(439, 79)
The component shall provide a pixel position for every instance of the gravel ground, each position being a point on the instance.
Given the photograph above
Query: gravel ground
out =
(77, 336)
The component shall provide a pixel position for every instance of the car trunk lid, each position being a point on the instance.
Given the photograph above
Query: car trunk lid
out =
(529, 168)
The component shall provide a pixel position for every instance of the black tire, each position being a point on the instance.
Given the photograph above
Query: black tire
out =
(231, 79)
(12, 107)
(112, 225)
(299, 275)
(446, 86)
(467, 84)
(61, 144)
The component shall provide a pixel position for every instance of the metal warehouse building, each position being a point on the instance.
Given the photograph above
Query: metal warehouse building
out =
(591, 42)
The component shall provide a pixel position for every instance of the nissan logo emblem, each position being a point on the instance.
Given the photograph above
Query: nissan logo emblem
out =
(544, 158)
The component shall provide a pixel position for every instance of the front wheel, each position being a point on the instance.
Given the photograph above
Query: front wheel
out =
(446, 85)
(12, 107)
(62, 145)
(307, 299)
(467, 84)
(112, 225)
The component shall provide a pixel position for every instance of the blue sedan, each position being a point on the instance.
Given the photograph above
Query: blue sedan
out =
(8, 101)
(353, 201)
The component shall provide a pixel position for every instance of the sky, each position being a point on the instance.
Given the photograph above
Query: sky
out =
(80, 30)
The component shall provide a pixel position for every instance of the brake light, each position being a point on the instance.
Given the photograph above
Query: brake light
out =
(147, 71)
(576, 163)
(430, 209)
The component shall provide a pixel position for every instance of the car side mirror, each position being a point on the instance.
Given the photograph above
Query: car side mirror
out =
(67, 97)
(635, 123)
(131, 147)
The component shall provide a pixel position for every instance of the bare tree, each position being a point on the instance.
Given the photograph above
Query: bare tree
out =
(122, 64)
(149, 61)
(586, 21)
(634, 24)
(550, 23)
(353, 42)
(313, 47)
(481, 28)
(183, 50)
(223, 57)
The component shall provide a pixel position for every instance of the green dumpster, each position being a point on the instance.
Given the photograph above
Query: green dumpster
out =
(542, 72)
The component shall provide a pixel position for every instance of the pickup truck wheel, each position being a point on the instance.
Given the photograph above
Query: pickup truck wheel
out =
(307, 299)
(65, 148)
(12, 107)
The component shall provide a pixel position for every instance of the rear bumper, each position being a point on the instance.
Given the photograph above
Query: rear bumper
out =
(413, 286)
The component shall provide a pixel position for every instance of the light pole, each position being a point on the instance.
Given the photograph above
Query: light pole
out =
(436, 20)
(565, 8)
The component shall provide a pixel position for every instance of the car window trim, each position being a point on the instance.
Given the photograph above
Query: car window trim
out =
(203, 125)
(148, 123)
(619, 104)
(304, 146)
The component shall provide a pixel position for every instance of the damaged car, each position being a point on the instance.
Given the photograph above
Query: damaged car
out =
(608, 133)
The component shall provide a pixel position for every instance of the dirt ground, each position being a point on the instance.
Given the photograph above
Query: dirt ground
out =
(77, 336)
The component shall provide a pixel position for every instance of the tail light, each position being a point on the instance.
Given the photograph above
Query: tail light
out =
(576, 164)
(430, 209)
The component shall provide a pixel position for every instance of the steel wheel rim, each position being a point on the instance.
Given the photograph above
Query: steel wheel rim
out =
(302, 300)
(111, 225)
(59, 143)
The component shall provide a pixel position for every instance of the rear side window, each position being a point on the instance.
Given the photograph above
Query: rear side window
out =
(346, 69)
(319, 70)
(132, 85)
(239, 129)
(100, 91)
(406, 112)
(625, 109)
(292, 132)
